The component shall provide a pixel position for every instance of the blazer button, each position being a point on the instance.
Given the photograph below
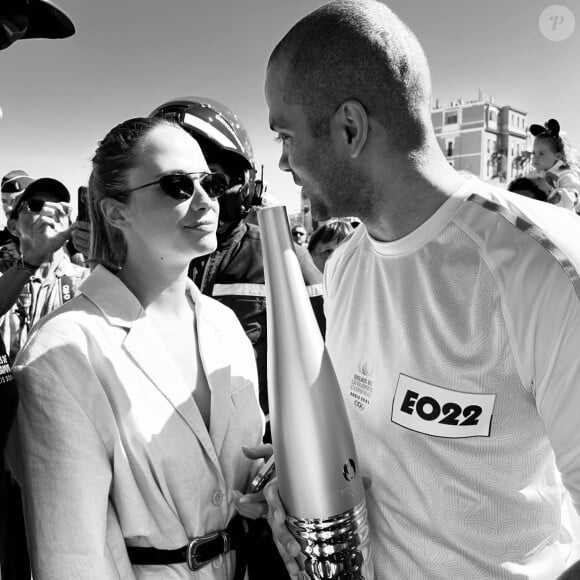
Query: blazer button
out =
(217, 498)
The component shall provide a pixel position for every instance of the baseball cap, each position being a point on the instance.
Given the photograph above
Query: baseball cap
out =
(16, 181)
(46, 185)
(32, 19)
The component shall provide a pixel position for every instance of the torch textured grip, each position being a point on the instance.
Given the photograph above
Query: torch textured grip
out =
(335, 548)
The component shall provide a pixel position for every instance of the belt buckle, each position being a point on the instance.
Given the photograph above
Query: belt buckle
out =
(194, 546)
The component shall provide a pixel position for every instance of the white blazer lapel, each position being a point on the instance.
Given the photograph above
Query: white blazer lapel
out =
(216, 360)
(149, 354)
(121, 308)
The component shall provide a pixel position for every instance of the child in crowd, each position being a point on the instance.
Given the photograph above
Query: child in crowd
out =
(556, 165)
(326, 239)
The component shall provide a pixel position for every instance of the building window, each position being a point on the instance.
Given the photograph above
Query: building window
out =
(451, 118)
(491, 116)
(449, 147)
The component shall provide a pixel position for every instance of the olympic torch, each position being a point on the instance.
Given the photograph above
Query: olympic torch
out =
(318, 472)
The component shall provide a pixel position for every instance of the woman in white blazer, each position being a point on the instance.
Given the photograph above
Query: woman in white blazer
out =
(137, 396)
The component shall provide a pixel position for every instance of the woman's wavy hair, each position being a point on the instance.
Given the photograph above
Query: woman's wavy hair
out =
(115, 155)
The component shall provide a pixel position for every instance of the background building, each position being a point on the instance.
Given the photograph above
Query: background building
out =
(483, 138)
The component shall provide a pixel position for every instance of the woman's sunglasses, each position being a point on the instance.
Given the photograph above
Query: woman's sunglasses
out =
(182, 185)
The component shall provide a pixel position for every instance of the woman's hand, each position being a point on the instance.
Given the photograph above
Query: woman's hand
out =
(252, 505)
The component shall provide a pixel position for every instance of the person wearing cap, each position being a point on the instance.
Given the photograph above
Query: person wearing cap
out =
(44, 278)
(13, 185)
(15, 301)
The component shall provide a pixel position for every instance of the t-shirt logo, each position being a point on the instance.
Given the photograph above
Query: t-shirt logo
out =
(361, 386)
(441, 412)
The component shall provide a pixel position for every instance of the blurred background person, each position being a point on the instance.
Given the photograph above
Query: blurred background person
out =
(19, 19)
(299, 235)
(326, 238)
(13, 185)
(41, 280)
(47, 280)
(127, 446)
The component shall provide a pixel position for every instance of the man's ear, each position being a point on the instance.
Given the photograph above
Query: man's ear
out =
(352, 121)
(114, 212)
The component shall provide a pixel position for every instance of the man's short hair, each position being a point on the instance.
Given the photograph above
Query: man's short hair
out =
(357, 49)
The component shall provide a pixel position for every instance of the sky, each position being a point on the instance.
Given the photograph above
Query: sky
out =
(60, 97)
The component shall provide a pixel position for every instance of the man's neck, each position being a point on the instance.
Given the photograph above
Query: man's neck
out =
(408, 200)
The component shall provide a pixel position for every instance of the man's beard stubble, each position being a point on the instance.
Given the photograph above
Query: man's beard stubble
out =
(342, 193)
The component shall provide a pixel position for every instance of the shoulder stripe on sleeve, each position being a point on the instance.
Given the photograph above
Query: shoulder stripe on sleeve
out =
(534, 232)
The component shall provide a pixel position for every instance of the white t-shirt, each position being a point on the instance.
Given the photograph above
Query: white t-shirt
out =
(457, 349)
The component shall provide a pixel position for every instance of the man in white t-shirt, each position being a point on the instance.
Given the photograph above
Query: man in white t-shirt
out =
(453, 314)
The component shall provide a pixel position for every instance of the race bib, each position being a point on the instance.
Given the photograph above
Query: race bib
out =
(441, 412)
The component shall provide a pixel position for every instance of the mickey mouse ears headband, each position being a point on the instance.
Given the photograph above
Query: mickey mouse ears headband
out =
(551, 129)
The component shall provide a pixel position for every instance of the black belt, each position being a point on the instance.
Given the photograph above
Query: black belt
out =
(198, 553)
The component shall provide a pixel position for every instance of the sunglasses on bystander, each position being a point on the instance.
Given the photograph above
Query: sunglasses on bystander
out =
(33, 205)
